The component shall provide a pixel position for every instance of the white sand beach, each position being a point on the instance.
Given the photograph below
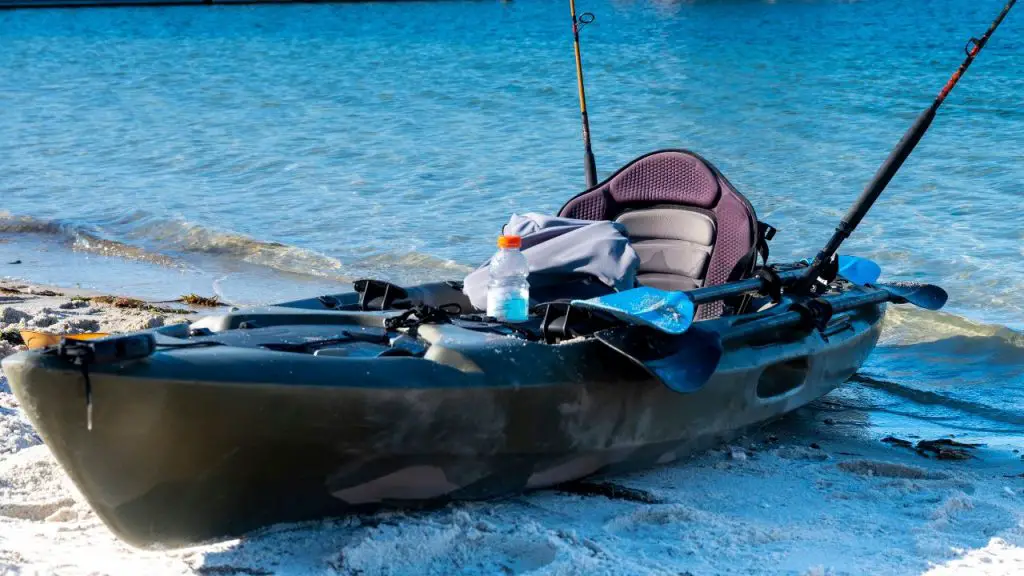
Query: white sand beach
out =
(816, 493)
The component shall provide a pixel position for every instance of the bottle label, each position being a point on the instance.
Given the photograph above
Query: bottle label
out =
(507, 307)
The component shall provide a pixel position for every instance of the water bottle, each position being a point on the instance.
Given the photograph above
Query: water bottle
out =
(508, 291)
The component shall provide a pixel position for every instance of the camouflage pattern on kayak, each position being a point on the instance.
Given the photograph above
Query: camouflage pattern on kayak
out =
(315, 408)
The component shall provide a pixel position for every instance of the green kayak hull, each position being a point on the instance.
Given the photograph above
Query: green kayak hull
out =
(197, 443)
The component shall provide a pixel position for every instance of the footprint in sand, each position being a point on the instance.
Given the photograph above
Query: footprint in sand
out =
(64, 514)
(519, 555)
(873, 468)
(654, 516)
(801, 453)
(444, 549)
(37, 511)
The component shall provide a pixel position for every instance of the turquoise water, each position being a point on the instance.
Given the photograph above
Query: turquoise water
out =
(272, 152)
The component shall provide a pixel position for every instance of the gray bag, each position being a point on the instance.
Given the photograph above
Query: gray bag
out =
(564, 251)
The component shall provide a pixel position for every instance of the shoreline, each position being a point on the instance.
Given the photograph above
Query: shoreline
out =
(815, 493)
(58, 310)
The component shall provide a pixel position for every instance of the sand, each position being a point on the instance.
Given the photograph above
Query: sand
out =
(813, 494)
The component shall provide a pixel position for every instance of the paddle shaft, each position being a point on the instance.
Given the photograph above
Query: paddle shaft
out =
(840, 303)
(589, 165)
(892, 164)
(723, 291)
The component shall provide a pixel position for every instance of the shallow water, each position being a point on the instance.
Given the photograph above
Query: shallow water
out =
(272, 152)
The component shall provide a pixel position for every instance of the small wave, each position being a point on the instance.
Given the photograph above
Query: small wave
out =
(948, 370)
(80, 237)
(153, 239)
(164, 241)
(182, 236)
(413, 261)
(909, 325)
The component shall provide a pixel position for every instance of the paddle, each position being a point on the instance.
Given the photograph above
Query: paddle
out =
(859, 270)
(685, 362)
(672, 311)
(927, 296)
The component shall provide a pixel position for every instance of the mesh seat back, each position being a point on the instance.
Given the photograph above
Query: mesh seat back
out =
(688, 224)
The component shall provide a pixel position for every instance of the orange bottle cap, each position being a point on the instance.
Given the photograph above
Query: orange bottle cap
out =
(509, 242)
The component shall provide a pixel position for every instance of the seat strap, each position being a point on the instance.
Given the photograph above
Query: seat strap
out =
(765, 232)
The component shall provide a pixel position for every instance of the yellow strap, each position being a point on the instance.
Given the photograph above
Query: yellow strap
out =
(36, 340)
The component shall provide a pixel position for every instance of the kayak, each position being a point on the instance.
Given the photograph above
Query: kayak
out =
(393, 396)
(652, 333)
(346, 403)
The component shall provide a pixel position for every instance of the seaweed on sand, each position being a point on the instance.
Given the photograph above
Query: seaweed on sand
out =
(135, 304)
(197, 300)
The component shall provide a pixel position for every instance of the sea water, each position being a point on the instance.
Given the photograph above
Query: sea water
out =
(272, 152)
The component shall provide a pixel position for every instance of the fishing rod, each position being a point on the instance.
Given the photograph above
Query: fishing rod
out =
(899, 154)
(589, 166)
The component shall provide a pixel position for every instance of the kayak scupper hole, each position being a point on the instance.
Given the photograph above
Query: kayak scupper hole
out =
(782, 377)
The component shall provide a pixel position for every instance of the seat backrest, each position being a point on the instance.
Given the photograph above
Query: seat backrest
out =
(688, 224)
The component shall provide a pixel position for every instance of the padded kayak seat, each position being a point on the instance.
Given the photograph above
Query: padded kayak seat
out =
(689, 226)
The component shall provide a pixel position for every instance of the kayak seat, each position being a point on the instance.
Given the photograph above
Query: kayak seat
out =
(688, 224)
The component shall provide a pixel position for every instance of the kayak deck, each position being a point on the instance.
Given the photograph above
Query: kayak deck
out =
(194, 443)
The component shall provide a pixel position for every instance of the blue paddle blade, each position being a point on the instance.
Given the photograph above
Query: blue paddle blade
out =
(669, 312)
(927, 296)
(683, 363)
(858, 270)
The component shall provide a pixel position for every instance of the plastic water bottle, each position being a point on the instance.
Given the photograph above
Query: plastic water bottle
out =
(508, 291)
